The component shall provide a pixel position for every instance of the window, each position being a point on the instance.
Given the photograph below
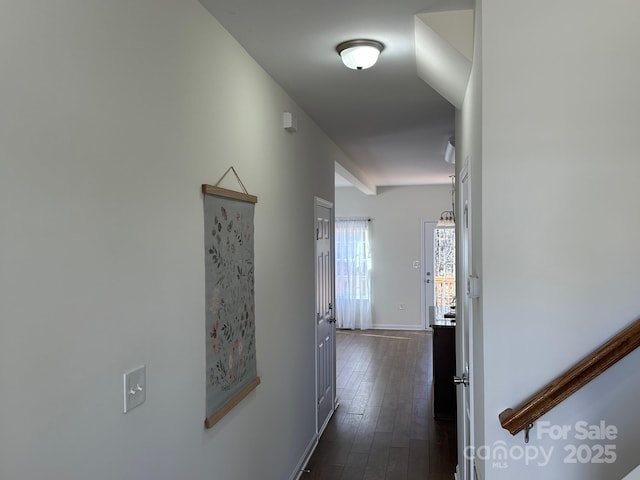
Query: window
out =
(445, 270)
(353, 277)
(352, 259)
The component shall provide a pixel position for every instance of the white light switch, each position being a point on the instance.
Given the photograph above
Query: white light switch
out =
(135, 388)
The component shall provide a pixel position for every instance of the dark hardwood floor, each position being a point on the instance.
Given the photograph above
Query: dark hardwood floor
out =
(384, 428)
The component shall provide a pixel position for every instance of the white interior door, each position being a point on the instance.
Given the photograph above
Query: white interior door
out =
(428, 285)
(325, 319)
(464, 337)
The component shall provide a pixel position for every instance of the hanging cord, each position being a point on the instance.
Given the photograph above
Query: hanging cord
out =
(237, 178)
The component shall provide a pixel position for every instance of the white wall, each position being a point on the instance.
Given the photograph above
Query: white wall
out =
(560, 223)
(113, 114)
(395, 233)
(469, 162)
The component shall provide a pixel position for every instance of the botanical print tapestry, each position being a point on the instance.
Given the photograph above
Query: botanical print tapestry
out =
(230, 319)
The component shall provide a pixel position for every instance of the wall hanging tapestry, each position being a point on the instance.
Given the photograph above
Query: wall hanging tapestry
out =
(231, 371)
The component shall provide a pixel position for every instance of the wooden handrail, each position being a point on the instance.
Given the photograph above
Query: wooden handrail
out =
(518, 418)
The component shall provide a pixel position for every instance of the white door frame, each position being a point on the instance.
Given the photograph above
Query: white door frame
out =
(319, 202)
(467, 295)
(426, 266)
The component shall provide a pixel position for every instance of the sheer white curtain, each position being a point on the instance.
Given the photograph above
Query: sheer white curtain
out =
(353, 277)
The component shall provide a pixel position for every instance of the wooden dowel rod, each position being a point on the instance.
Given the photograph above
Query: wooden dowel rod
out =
(224, 192)
(214, 418)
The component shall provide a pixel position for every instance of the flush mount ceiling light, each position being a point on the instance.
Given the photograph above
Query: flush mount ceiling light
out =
(450, 151)
(359, 54)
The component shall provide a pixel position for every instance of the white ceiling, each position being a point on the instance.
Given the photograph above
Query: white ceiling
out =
(389, 122)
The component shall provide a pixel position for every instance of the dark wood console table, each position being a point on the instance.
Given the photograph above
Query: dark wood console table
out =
(444, 369)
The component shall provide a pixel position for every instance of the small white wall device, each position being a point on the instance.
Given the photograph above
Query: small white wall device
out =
(289, 122)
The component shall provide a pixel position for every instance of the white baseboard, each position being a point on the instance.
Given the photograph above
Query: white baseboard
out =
(382, 326)
(306, 456)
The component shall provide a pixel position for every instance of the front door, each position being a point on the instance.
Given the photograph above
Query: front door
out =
(464, 332)
(325, 319)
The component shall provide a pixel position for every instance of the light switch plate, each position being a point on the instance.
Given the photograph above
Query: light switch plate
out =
(135, 388)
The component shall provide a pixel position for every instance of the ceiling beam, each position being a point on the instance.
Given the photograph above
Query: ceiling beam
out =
(356, 177)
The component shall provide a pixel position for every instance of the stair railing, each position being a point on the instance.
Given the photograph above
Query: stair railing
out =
(522, 417)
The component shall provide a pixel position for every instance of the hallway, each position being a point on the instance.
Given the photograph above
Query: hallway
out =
(384, 428)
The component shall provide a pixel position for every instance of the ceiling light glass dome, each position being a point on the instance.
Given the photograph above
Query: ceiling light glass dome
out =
(360, 54)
